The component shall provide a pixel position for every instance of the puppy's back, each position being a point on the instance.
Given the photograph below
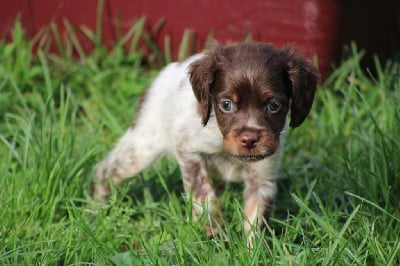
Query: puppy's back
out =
(169, 103)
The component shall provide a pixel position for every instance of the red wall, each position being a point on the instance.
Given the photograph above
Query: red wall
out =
(311, 25)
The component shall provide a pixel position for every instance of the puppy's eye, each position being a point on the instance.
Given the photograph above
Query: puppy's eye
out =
(227, 106)
(272, 106)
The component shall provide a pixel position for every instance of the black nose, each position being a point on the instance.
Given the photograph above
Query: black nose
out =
(248, 139)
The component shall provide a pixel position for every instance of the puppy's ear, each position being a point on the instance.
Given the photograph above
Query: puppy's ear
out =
(202, 74)
(303, 77)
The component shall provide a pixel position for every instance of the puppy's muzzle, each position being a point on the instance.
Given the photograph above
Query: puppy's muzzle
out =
(250, 144)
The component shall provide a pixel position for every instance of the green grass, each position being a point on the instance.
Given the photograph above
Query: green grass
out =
(338, 187)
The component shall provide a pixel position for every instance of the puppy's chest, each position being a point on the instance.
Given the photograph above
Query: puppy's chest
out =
(225, 167)
(221, 166)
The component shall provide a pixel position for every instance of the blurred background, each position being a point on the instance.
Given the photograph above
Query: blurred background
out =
(318, 28)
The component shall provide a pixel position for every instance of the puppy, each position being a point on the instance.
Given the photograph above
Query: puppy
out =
(223, 111)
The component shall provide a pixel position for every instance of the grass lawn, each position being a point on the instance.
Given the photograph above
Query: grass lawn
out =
(339, 185)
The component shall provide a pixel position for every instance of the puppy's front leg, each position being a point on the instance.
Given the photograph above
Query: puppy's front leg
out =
(197, 184)
(259, 198)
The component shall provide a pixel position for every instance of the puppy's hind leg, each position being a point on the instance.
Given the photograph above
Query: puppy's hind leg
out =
(135, 151)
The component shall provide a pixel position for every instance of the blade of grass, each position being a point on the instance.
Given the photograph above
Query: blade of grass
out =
(187, 44)
(167, 49)
(339, 238)
(323, 223)
(74, 40)
(46, 74)
(373, 204)
(57, 38)
(139, 31)
(99, 20)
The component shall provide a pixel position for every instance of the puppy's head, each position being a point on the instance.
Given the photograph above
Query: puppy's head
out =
(251, 87)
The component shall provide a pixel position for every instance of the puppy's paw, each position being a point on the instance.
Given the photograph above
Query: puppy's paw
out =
(100, 186)
(214, 229)
(100, 192)
(214, 226)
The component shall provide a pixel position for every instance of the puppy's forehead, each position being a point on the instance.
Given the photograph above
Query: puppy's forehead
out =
(248, 80)
(253, 69)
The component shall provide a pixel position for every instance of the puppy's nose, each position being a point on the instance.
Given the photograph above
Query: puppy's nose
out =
(248, 139)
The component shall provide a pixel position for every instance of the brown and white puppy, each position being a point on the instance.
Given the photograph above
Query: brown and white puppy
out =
(223, 111)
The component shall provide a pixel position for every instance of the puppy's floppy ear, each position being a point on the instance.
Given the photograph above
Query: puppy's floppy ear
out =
(202, 74)
(303, 78)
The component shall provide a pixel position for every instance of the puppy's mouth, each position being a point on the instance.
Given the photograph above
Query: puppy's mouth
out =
(252, 157)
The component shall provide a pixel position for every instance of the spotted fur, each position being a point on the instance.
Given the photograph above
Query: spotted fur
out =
(223, 111)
